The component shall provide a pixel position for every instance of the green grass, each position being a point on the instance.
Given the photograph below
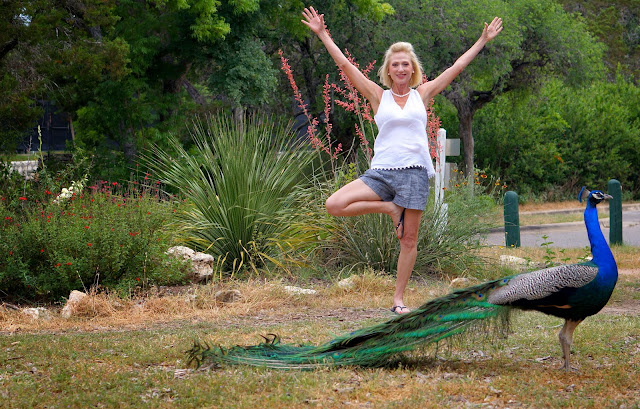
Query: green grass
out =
(145, 367)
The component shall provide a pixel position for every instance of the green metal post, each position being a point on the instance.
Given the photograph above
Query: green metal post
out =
(511, 220)
(615, 212)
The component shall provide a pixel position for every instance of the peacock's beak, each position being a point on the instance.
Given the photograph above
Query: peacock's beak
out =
(607, 197)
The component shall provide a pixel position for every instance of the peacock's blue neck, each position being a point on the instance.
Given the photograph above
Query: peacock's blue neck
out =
(602, 256)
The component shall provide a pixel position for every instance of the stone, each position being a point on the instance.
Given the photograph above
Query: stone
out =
(228, 296)
(347, 283)
(39, 313)
(505, 259)
(460, 282)
(201, 263)
(297, 290)
(72, 303)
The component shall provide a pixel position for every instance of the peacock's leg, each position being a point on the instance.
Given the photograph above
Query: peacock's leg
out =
(566, 337)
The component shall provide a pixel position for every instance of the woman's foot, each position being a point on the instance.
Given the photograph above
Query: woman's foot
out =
(400, 309)
(400, 224)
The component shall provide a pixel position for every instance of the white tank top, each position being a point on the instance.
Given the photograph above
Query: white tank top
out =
(402, 135)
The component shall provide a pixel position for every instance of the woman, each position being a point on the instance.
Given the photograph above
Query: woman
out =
(397, 183)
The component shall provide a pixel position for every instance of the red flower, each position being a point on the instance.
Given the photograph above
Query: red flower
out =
(22, 198)
(69, 263)
(89, 244)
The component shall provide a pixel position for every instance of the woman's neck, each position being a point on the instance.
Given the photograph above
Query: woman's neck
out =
(400, 91)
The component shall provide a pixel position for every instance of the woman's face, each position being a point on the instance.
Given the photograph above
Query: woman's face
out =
(400, 68)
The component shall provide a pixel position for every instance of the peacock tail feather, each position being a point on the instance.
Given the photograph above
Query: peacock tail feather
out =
(434, 321)
(573, 292)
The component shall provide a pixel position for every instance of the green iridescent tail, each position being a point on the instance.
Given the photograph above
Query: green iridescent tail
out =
(438, 319)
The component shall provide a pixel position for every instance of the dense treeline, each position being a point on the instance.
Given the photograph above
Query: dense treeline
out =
(551, 104)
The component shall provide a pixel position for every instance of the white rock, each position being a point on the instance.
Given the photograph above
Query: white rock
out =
(347, 282)
(460, 282)
(202, 264)
(72, 303)
(39, 313)
(505, 259)
(297, 290)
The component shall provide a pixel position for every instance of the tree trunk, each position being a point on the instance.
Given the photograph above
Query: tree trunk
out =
(465, 109)
(193, 92)
(465, 129)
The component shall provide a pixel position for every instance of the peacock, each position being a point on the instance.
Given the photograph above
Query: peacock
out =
(572, 292)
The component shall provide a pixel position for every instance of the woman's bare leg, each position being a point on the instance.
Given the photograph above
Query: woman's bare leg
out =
(356, 198)
(408, 254)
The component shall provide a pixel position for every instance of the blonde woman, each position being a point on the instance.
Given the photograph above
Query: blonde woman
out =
(397, 182)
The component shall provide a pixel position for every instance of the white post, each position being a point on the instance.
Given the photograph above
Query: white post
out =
(440, 175)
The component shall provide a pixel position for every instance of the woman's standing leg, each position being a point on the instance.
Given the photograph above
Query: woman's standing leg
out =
(407, 257)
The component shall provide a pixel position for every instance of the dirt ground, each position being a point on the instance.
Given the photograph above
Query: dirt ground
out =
(173, 308)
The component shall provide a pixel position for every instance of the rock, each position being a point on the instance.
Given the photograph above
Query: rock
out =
(347, 282)
(504, 259)
(297, 290)
(72, 303)
(460, 282)
(201, 263)
(228, 296)
(39, 313)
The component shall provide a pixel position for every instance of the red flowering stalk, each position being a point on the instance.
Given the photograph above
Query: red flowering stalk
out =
(312, 129)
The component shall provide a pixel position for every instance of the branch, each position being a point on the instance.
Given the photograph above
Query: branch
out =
(7, 47)
(193, 92)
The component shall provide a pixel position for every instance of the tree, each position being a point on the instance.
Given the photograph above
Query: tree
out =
(539, 41)
(352, 25)
(44, 47)
(616, 24)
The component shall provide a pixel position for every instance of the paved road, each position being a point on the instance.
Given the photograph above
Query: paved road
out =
(572, 235)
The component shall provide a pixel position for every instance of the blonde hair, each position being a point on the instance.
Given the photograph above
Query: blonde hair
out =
(383, 72)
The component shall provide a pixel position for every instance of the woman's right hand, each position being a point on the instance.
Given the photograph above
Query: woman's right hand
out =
(313, 20)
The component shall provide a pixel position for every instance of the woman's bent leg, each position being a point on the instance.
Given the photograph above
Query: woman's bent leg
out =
(356, 198)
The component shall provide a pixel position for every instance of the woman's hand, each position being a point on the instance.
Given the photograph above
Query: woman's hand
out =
(492, 30)
(313, 20)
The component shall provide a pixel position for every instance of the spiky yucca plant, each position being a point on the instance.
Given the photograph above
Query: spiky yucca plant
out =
(240, 181)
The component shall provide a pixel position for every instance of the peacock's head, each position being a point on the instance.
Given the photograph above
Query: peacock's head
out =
(594, 197)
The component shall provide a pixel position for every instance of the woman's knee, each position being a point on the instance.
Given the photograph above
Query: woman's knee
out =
(333, 206)
(409, 241)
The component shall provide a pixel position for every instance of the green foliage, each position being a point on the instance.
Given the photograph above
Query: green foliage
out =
(444, 243)
(244, 73)
(539, 41)
(239, 179)
(550, 143)
(616, 24)
(110, 238)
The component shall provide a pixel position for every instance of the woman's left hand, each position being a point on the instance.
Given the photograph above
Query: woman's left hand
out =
(492, 30)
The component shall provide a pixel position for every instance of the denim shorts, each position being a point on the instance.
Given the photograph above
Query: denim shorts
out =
(408, 188)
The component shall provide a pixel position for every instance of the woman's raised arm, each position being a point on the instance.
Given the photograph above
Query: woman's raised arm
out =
(432, 88)
(368, 88)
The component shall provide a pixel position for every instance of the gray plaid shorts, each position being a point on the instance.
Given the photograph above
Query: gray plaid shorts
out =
(408, 187)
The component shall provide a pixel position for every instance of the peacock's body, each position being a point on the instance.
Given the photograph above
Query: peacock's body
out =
(572, 292)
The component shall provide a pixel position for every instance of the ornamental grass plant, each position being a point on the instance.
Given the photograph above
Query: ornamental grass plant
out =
(446, 243)
(240, 180)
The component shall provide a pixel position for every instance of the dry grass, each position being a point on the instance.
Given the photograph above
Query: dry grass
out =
(129, 353)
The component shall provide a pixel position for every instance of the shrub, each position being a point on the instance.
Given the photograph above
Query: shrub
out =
(444, 245)
(240, 180)
(109, 237)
